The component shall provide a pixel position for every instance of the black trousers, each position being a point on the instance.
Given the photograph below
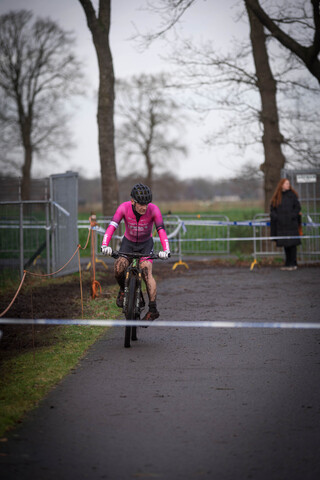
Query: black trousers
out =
(291, 256)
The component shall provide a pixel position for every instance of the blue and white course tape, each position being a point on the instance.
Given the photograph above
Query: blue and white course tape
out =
(160, 323)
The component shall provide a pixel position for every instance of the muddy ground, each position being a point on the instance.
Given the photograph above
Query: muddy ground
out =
(55, 300)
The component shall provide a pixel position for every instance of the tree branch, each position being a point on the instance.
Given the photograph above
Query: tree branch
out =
(307, 54)
(90, 13)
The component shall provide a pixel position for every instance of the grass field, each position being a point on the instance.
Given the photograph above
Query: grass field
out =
(240, 208)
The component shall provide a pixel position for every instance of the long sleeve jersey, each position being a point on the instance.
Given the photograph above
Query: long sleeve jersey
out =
(137, 230)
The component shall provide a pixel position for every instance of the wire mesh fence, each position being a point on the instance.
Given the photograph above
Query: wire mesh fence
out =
(40, 233)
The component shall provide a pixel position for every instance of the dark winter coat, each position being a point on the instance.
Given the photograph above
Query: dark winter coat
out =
(285, 219)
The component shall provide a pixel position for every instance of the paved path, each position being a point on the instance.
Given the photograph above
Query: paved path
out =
(192, 403)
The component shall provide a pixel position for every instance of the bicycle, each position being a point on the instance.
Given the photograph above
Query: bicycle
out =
(133, 302)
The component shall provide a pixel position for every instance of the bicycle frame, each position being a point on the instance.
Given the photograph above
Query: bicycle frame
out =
(132, 291)
(132, 269)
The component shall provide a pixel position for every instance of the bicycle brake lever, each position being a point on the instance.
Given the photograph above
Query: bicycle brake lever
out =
(115, 254)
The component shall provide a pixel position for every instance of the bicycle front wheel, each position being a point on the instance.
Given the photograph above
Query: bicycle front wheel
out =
(130, 311)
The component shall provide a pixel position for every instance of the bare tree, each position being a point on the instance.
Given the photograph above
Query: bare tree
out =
(209, 73)
(309, 55)
(148, 116)
(38, 71)
(99, 25)
(253, 102)
(304, 14)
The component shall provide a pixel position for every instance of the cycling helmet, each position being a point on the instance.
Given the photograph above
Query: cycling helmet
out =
(141, 194)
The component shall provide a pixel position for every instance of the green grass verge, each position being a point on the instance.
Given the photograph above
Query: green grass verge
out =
(27, 377)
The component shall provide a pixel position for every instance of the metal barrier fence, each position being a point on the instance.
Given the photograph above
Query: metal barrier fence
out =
(309, 250)
(36, 239)
(211, 235)
(205, 234)
(24, 233)
(41, 231)
(188, 235)
(64, 192)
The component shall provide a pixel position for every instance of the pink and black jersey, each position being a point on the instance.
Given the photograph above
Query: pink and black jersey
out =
(137, 229)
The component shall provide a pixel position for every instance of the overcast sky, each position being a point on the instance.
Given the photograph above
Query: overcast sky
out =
(206, 20)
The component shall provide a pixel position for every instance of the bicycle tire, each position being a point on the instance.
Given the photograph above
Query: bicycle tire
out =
(136, 314)
(134, 333)
(130, 315)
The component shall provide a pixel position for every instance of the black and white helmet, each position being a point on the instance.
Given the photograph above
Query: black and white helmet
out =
(141, 194)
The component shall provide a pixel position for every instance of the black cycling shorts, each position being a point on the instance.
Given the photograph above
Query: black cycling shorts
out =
(140, 247)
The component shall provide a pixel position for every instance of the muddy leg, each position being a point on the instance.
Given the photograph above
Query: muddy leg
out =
(153, 313)
(120, 266)
(150, 282)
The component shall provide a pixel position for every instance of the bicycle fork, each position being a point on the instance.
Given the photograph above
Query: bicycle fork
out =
(137, 296)
(126, 291)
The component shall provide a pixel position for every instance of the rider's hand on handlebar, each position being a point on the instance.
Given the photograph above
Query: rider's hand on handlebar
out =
(106, 250)
(164, 255)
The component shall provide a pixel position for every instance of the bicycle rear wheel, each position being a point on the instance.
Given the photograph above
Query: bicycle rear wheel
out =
(130, 311)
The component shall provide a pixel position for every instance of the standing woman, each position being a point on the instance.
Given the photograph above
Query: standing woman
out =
(285, 216)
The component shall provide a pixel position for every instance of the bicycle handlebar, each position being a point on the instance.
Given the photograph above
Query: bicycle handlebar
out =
(116, 254)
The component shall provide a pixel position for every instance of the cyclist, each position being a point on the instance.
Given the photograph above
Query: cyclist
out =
(139, 215)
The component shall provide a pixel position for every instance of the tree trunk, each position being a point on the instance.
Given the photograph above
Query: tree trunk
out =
(26, 173)
(149, 167)
(272, 138)
(26, 128)
(100, 28)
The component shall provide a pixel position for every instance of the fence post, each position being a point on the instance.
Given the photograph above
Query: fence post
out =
(48, 237)
(53, 227)
(21, 253)
(21, 239)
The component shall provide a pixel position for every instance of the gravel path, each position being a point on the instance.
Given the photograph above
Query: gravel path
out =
(189, 403)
